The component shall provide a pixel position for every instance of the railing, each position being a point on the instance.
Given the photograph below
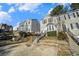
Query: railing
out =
(38, 38)
(73, 37)
(70, 33)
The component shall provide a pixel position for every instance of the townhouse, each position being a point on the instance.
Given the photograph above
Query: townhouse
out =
(31, 25)
(70, 21)
(63, 22)
(49, 23)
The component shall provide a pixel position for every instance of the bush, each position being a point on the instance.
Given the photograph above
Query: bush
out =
(51, 33)
(9, 42)
(6, 35)
(22, 34)
(62, 36)
(32, 34)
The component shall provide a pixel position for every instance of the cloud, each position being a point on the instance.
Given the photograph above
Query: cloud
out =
(39, 12)
(50, 10)
(5, 17)
(0, 7)
(9, 3)
(17, 25)
(53, 6)
(11, 10)
(28, 6)
(31, 7)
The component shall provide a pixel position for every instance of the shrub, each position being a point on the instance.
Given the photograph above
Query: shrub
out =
(62, 36)
(22, 34)
(51, 33)
(32, 34)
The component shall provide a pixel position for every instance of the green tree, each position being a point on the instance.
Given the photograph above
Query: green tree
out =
(57, 10)
(74, 6)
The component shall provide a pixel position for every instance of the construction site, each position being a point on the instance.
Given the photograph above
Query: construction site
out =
(30, 44)
(53, 34)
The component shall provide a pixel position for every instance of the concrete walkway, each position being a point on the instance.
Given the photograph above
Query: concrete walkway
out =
(73, 46)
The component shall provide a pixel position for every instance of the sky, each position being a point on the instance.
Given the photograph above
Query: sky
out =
(14, 13)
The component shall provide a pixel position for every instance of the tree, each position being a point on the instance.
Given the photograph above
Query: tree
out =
(57, 10)
(74, 6)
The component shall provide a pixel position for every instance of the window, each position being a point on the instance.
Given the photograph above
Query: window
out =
(68, 16)
(29, 22)
(65, 17)
(77, 25)
(74, 15)
(59, 18)
(25, 23)
(71, 26)
(50, 20)
(49, 27)
(52, 27)
(77, 14)
(44, 21)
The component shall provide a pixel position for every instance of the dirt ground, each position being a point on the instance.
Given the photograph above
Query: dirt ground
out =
(48, 46)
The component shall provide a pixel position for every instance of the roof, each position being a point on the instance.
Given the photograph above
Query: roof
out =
(49, 24)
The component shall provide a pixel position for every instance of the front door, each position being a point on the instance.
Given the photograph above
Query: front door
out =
(64, 27)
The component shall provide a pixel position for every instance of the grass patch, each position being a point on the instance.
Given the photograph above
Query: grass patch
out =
(51, 33)
(9, 42)
(62, 36)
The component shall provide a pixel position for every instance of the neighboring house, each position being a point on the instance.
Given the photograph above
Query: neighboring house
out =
(48, 24)
(6, 27)
(31, 25)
